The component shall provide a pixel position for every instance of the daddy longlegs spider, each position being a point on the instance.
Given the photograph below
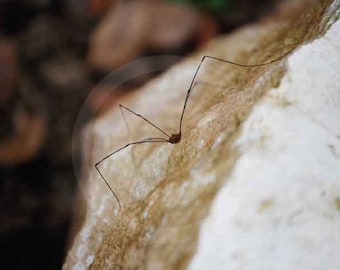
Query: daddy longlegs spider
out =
(174, 138)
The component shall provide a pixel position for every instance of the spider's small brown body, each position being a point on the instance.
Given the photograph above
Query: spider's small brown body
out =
(175, 138)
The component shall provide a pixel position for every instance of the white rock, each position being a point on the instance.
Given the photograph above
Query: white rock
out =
(280, 208)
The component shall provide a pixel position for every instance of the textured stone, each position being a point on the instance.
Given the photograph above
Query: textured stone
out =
(254, 182)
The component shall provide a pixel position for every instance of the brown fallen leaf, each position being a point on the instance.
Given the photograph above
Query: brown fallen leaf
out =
(120, 36)
(207, 29)
(8, 69)
(171, 25)
(28, 138)
(131, 28)
(98, 7)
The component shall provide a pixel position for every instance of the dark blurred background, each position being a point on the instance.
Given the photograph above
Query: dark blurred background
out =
(52, 54)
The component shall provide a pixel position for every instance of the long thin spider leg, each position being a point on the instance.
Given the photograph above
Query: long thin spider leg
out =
(148, 140)
(142, 117)
(254, 65)
(107, 184)
(125, 121)
(229, 62)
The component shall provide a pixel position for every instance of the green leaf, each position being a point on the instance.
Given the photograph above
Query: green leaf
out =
(211, 5)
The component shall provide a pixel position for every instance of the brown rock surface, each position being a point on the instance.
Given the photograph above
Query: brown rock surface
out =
(163, 207)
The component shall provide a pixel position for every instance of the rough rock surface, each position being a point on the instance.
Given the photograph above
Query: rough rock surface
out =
(254, 183)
